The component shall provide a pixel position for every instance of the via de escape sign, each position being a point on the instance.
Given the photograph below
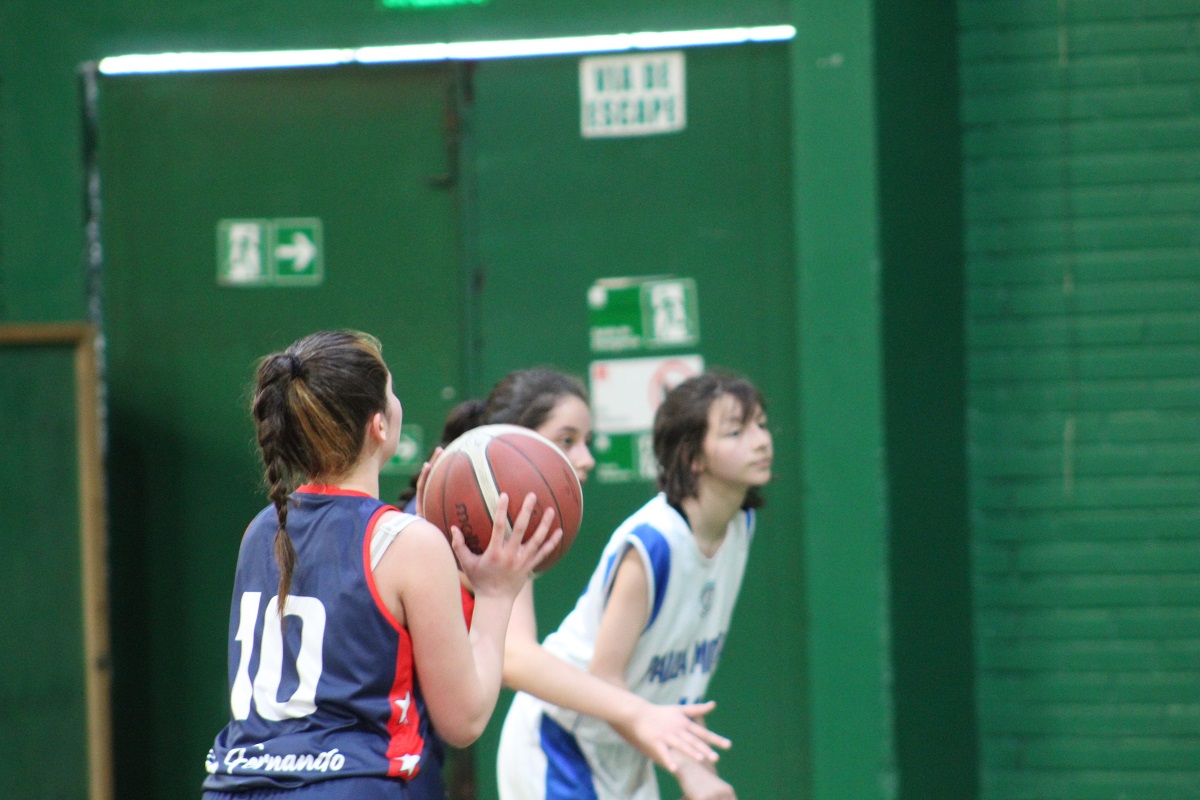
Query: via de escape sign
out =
(270, 252)
(632, 95)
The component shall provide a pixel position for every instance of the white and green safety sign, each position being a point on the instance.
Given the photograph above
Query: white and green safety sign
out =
(632, 95)
(632, 315)
(625, 394)
(624, 457)
(270, 252)
(637, 328)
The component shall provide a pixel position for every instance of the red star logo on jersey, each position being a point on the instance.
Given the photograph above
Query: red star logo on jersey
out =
(408, 764)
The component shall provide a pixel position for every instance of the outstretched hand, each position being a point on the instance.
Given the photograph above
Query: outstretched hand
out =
(657, 730)
(508, 561)
(422, 479)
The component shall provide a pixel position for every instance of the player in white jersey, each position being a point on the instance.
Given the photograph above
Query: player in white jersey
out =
(556, 405)
(656, 611)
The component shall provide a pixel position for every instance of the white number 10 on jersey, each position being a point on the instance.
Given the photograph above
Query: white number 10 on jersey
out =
(264, 692)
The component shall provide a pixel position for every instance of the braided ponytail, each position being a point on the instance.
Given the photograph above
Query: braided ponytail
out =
(311, 406)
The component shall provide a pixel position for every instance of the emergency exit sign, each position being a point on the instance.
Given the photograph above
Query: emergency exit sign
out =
(628, 315)
(270, 252)
(634, 95)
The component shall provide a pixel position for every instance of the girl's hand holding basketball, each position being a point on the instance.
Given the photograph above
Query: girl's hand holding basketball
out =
(509, 560)
(421, 480)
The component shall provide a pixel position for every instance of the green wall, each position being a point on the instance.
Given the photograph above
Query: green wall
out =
(43, 43)
(882, 385)
(43, 699)
(924, 355)
(1082, 165)
(844, 483)
(859, 559)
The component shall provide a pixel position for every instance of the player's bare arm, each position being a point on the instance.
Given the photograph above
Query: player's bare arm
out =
(654, 730)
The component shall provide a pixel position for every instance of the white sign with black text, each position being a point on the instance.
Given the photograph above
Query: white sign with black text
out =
(632, 95)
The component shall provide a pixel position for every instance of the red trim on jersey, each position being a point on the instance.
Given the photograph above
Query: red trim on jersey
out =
(324, 488)
(405, 743)
(370, 574)
(468, 601)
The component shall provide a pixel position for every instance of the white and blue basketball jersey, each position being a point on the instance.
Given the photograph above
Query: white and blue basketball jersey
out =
(552, 753)
(328, 691)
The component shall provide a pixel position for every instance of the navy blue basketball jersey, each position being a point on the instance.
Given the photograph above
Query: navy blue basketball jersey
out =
(327, 690)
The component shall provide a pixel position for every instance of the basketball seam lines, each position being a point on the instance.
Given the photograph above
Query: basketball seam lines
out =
(484, 479)
(538, 471)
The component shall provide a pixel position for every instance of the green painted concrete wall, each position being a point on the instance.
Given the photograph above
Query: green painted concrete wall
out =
(1078, 148)
(1082, 198)
(882, 383)
(42, 45)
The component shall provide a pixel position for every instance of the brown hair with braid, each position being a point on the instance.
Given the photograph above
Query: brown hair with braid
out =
(312, 404)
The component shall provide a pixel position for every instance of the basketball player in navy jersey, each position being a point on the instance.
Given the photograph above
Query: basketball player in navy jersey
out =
(341, 600)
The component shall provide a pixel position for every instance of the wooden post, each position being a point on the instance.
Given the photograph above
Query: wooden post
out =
(92, 535)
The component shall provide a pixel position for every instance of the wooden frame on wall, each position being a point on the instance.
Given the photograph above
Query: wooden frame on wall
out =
(82, 339)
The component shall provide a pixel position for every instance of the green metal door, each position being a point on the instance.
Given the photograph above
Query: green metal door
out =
(241, 211)
(711, 202)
